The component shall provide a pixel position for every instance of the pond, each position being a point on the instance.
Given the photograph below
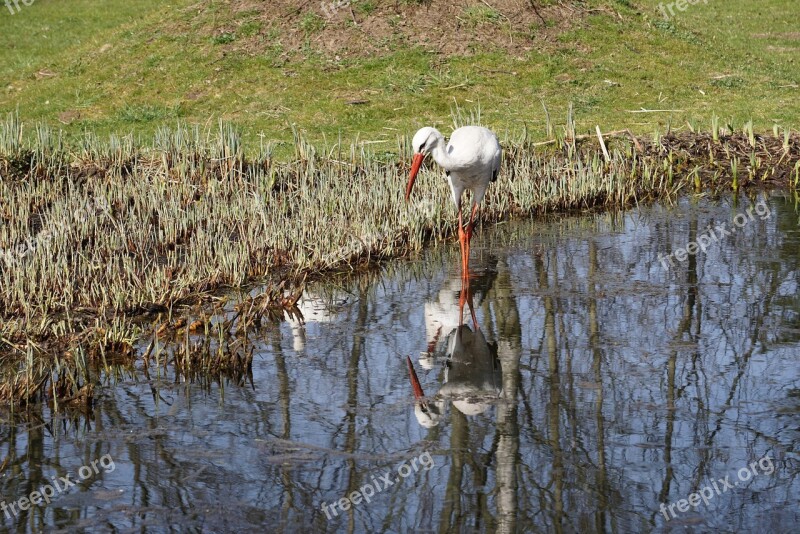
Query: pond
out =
(610, 382)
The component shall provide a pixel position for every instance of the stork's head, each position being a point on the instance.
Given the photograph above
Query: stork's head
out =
(427, 413)
(424, 141)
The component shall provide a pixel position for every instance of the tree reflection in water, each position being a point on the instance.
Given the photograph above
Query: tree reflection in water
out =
(592, 386)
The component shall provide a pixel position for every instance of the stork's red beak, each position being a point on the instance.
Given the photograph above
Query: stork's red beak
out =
(418, 393)
(415, 165)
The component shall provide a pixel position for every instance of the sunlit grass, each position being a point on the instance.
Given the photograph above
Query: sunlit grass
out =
(151, 63)
(136, 196)
(99, 237)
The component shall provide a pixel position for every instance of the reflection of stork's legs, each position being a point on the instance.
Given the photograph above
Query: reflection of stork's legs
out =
(466, 297)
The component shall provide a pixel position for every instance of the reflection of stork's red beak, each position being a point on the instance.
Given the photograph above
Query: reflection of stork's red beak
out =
(418, 393)
(415, 165)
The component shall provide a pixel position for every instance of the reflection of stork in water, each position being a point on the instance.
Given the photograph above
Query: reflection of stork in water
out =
(444, 314)
(313, 309)
(472, 375)
(472, 378)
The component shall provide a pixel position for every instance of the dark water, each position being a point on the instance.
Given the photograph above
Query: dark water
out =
(598, 386)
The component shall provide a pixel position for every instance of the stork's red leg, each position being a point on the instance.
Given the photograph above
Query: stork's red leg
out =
(462, 240)
(471, 223)
(468, 237)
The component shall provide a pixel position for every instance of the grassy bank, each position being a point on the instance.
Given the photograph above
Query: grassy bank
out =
(109, 242)
(129, 203)
(384, 69)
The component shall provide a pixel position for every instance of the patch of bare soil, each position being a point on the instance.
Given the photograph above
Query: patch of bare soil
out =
(347, 28)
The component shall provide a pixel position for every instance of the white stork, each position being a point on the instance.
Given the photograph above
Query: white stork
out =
(471, 160)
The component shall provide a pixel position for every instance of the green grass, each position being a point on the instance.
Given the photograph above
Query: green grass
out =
(197, 202)
(312, 23)
(127, 70)
(481, 14)
(103, 242)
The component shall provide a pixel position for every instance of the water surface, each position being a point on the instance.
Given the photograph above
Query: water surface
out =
(596, 386)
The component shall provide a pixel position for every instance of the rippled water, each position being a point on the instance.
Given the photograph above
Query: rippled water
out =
(596, 386)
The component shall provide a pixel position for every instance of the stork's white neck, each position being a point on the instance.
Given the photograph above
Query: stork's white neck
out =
(440, 155)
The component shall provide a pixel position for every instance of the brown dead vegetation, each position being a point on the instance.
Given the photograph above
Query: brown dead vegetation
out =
(360, 28)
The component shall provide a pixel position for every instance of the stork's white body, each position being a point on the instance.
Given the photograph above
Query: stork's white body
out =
(471, 159)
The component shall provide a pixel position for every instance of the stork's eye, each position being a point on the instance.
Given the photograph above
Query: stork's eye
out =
(422, 147)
